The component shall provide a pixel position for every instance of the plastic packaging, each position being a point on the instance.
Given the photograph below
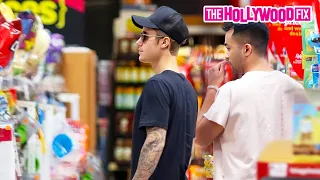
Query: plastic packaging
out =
(10, 34)
(208, 166)
(54, 54)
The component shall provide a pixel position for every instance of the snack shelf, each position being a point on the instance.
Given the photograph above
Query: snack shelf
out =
(277, 162)
(130, 84)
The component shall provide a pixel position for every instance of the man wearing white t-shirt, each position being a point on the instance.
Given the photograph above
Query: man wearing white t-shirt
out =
(244, 115)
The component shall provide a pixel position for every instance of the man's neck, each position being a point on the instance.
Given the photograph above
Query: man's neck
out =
(165, 63)
(260, 64)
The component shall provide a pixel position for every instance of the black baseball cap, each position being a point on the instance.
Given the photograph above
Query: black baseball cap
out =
(167, 20)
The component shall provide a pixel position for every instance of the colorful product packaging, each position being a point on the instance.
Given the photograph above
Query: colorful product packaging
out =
(208, 166)
(306, 133)
(310, 55)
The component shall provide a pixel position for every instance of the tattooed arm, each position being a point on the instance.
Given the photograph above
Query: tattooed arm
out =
(150, 153)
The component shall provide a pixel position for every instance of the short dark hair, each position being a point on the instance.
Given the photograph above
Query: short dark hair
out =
(174, 45)
(255, 33)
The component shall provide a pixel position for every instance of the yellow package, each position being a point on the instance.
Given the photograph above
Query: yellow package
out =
(208, 166)
(306, 133)
(6, 11)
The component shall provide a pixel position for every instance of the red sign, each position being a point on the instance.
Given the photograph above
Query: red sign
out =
(280, 170)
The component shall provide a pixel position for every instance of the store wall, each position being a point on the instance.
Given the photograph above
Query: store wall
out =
(99, 26)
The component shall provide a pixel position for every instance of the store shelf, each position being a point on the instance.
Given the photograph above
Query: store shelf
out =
(113, 166)
(124, 110)
(206, 30)
(313, 95)
(196, 26)
(129, 84)
(277, 161)
(118, 135)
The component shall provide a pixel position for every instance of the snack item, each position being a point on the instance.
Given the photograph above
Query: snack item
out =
(54, 53)
(6, 13)
(9, 33)
(208, 165)
(29, 24)
(306, 133)
(37, 54)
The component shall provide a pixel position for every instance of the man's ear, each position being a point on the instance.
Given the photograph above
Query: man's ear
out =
(165, 43)
(247, 49)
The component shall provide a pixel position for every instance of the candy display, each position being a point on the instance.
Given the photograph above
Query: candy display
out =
(29, 24)
(33, 47)
(29, 27)
(45, 143)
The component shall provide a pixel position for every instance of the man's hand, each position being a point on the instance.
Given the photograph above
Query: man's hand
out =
(150, 153)
(216, 74)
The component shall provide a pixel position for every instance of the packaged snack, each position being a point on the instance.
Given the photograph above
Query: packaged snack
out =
(306, 133)
(54, 54)
(10, 34)
(208, 165)
(310, 54)
(6, 12)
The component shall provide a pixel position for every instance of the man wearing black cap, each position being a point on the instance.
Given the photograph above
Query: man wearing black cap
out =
(166, 113)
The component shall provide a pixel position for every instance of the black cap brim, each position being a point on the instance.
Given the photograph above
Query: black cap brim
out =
(141, 22)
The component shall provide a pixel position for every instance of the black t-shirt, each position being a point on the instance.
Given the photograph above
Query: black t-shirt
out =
(168, 101)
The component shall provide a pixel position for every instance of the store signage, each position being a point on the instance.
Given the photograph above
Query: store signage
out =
(59, 16)
(317, 12)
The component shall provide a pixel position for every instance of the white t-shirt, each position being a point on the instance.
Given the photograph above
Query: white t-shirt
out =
(254, 110)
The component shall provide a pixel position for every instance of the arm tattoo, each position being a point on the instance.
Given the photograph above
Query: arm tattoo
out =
(150, 153)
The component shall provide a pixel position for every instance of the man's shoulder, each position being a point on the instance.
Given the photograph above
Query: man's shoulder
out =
(229, 85)
(289, 82)
(160, 79)
(159, 85)
(171, 80)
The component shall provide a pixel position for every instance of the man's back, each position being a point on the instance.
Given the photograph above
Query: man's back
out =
(179, 100)
(260, 111)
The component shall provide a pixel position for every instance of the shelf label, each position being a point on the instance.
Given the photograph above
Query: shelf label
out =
(294, 170)
(278, 169)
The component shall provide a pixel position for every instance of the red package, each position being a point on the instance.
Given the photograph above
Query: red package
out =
(229, 74)
(2, 19)
(9, 41)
